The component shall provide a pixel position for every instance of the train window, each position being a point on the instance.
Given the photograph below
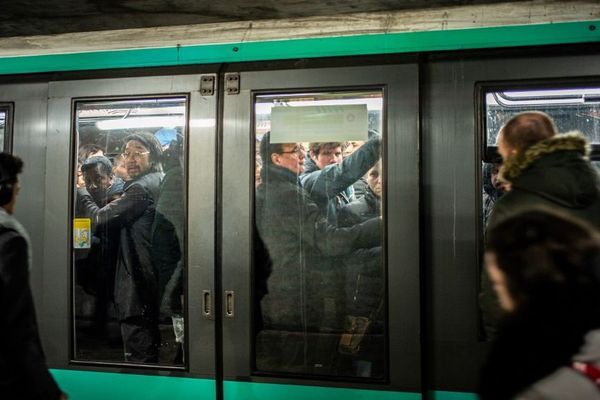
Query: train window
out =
(128, 231)
(5, 126)
(571, 109)
(318, 268)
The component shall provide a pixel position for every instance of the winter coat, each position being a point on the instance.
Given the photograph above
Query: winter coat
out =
(23, 371)
(136, 283)
(566, 383)
(167, 241)
(304, 252)
(331, 187)
(553, 173)
(364, 269)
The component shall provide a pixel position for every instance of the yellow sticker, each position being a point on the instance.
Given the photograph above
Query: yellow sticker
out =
(82, 233)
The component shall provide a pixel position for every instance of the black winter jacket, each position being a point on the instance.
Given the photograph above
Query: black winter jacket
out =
(23, 371)
(553, 173)
(304, 251)
(136, 283)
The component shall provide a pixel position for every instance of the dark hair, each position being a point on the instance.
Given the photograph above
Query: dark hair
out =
(267, 148)
(100, 161)
(85, 150)
(547, 257)
(526, 129)
(550, 262)
(150, 142)
(10, 167)
(315, 147)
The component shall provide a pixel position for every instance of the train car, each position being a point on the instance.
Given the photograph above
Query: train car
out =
(434, 98)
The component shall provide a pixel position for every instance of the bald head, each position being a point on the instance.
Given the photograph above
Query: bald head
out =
(523, 131)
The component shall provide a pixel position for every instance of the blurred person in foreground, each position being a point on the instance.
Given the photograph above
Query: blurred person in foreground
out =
(23, 371)
(545, 269)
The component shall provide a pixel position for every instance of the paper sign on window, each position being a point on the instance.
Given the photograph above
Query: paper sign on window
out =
(335, 123)
(82, 233)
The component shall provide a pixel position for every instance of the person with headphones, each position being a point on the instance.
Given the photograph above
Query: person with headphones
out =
(23, 370)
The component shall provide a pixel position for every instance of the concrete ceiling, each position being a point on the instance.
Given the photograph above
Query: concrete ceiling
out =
(43, 17)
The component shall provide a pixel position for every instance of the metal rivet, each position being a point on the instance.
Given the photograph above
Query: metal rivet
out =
(236, 49)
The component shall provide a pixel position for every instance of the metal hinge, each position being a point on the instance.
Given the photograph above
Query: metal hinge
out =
(207, 85)
(232, 83)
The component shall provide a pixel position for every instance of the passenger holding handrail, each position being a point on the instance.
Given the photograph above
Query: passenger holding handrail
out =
(136, 283)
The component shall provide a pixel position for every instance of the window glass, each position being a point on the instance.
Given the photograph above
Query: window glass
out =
(128, 231)
(3, 118)
(571, 109)
(319, 275)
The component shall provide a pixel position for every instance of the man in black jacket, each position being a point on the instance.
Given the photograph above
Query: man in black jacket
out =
(298, 308)
(136, 282)
(23, 371)
(540, 168)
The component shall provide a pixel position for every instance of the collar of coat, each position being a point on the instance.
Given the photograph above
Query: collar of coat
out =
(571, 141)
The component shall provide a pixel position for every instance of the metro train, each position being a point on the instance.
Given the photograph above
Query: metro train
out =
(437, 108)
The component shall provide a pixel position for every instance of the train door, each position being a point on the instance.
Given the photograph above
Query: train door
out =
(320, 232)
(23, 110)
(466, 101)
(129, 224)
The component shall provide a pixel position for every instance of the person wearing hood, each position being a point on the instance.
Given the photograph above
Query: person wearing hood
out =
(328, 177)
(23, 370)
(545, 269)
(540, 168)
(136, 281)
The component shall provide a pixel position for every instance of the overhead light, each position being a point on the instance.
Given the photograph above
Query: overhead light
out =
(141, 122)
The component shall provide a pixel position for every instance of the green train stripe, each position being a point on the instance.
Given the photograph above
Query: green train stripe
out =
(473, 38)
(454, 396)
(91, 385)
(263, 391)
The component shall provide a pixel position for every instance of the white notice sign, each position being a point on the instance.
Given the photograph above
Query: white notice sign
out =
(319, 123)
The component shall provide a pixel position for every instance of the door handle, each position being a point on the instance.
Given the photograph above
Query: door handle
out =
(229, 303)
(207, 304)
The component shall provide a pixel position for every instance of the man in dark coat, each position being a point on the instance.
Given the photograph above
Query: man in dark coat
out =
(23, 371)
(136, 283)
(302, 247)
(540, 168)
(328, 178)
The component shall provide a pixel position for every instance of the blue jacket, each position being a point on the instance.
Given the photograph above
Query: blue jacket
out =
(331, 187)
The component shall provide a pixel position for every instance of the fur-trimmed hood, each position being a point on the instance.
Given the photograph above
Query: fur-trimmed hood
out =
(571, 141)
(557, 169)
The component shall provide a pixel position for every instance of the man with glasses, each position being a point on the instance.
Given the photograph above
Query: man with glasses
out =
(136, 283)
(328, 177)
(299, 244)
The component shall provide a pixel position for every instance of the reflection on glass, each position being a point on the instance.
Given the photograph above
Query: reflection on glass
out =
(318, 268)
(128, 231)
(3, 120)
(571, 109)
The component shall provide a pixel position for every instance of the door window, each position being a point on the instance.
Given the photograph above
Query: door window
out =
(129, 231)
(319, 276)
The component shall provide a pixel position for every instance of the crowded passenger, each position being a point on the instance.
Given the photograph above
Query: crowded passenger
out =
(300, 311)
(95, 267)
(360, 186)
(23, 370)
(492, 189)
(545, 270)
(167, 240)
(136, 283)
(540, 167)
(328, 177)
(364, 285)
